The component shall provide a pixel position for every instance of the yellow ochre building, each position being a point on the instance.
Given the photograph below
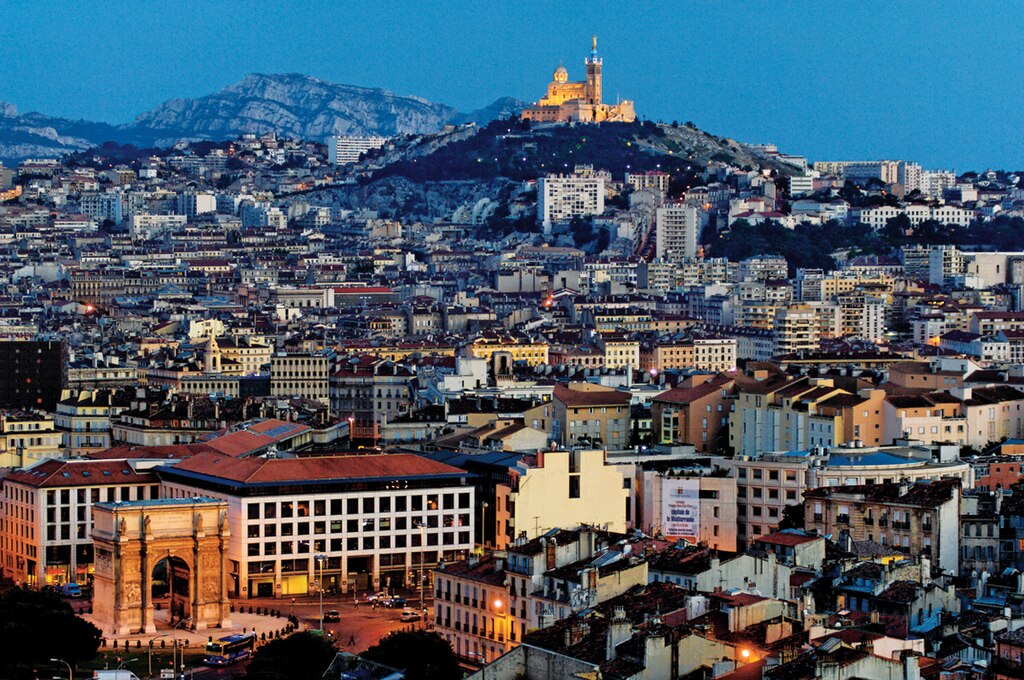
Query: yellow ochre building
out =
(579, 101)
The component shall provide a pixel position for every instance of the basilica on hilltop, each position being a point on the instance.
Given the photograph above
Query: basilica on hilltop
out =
(578, 101)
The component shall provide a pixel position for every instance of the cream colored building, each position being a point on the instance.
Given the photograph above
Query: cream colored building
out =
(795, 328)
(533, 353)
(620, 352)
(568, 488)
(27, 438)
(301, 374)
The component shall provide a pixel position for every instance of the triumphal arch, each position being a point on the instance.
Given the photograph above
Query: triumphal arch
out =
(168, 553)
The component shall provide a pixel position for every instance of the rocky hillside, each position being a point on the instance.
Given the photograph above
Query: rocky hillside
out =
(290, 105)
(33, 135)
(495, 161)
(305, 107)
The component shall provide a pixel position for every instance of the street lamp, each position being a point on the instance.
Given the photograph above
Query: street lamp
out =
(423, 527)
(483, 525)
(71, 675)
(162, 635)
(320, 559)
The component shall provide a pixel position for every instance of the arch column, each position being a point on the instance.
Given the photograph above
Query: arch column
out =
(146, 566)
(196, 581)
(225, 604)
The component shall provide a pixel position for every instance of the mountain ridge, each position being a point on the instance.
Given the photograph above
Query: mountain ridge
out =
(292, 104)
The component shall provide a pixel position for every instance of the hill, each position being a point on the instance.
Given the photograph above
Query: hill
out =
(291, 105)
(430, 177)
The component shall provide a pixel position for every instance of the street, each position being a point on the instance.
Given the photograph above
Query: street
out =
(363, 623)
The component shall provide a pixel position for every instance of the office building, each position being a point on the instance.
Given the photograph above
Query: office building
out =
(378, 521)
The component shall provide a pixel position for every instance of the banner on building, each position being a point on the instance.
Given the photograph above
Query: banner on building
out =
(680, 503)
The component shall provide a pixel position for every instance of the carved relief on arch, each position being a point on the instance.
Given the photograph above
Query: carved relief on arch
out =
(209, 560)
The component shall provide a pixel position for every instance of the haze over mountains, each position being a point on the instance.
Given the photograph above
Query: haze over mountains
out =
(292, 105)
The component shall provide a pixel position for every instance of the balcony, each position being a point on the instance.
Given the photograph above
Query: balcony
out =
(458, 625)
(472, 631)
(883, 522)
(842, 519)
(818, 517)
(901, 525)
(927, 528)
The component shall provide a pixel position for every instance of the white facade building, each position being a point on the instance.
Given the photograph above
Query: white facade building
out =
(677, 230)
(562, 197)
(362, 522)
(343, 150)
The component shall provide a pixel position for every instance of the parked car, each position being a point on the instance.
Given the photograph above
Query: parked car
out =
(71, 590)
(332, 616)
(409, 614)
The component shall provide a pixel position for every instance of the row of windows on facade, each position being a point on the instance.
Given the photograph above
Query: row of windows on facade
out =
(351, 506)
(353, 526)
(356, 543)
(773, 494)
(756, 511)
(758, 474)
(354, 563)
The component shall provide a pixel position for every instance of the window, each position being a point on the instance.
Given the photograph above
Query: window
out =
(574, 486)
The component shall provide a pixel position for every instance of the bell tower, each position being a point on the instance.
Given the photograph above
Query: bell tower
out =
(593, 88)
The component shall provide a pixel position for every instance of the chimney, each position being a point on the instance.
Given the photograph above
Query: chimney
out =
(619, 630)
(551, 551)
(911, 669)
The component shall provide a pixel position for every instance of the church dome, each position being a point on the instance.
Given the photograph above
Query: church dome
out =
(561, 75)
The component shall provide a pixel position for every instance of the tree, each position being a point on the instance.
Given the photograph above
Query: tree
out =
(36, 626)
(302, 656)
(425, 655)
(792, 517)
(896, 228)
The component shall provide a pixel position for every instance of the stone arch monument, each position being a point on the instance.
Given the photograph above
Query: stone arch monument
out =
(132, 539)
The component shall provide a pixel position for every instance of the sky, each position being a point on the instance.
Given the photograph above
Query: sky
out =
(940, 83)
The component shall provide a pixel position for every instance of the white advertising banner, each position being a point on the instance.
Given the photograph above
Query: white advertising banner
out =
(680, 503)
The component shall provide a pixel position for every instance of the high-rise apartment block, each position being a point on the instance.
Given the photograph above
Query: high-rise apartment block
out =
(343, 150)
(562, 197)
(677, 230)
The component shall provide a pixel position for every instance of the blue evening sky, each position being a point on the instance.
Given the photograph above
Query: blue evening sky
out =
(938, 82)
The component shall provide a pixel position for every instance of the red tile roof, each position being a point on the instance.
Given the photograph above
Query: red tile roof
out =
(150, 452)
(787, 539)
(592, 395)
(279, 470)
(255, 437)
(55, 473)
